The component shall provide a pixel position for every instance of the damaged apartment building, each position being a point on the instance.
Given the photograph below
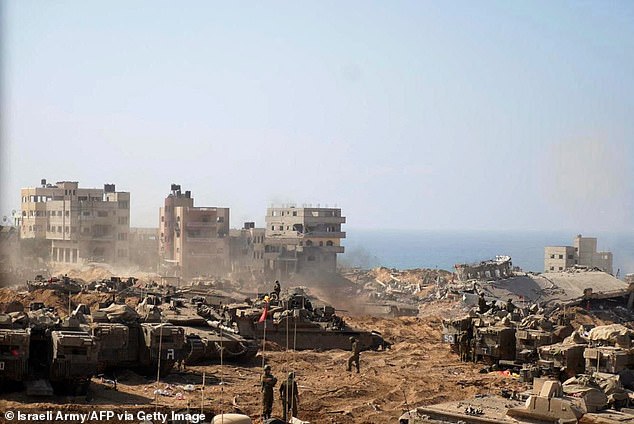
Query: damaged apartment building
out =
(302, 240)
(193, 240)
(494, 269)
(76, 225)
(583, 253)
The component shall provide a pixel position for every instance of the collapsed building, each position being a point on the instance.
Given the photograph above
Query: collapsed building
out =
(524, 324)
(494, 269)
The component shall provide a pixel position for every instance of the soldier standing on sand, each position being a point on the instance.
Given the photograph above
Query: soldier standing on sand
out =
(354, 358)
(463, 345)
(289, 396)
(268, 382)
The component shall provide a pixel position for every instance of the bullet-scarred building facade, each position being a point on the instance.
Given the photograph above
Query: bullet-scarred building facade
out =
(302, 240)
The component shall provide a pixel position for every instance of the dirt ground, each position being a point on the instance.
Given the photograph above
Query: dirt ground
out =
(418, 370)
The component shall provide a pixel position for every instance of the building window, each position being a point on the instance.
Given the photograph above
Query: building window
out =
(220, 219)
(102, 214)
(552, 256)
(59, 229)
(123, 204)
(122, 236)
(329, 243)
(281, 228)
(294, 213)
(560, 268)
(309, 242)
(321, 243)
(86, 213)
(552, 268)
(272, 227)
(123, 220)
(561, 256)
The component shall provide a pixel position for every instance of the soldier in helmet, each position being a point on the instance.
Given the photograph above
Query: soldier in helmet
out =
(289, 396)
(354, 358)
(268, 382)
(482, 304)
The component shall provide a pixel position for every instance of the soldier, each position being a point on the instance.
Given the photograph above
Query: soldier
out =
(289, 396)
(268, 382)
(463, 345)
(510, 308)
(354, 358)
(277, 288)
(482, 304)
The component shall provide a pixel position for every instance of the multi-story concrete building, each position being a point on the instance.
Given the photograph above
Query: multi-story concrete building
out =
(80, 224)
(193, 239)
(583, 252)
(247, 250)
(302, 240)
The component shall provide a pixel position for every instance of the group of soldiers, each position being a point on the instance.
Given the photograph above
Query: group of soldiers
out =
(289, 394)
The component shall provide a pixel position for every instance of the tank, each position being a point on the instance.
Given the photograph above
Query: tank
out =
(527, 341)
(453, 329)
(566, 358)
(296, 324)
(73, 359)
(494, 343)
(205, 335)
(125, 342)
(14, 355)
(63, 284)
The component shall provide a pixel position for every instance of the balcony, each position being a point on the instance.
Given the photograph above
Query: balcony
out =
(308, 219)
(331, 249)
(326, 234)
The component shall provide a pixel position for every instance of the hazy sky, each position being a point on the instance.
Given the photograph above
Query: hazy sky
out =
(434, 115)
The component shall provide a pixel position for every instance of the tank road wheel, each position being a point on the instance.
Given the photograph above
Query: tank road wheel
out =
(195, 351)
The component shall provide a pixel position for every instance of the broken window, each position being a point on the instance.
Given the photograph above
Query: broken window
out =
(220, 219)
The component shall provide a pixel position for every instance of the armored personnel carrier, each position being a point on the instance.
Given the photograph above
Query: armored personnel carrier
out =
(296, 323)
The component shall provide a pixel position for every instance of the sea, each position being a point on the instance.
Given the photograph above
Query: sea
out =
(442, 249)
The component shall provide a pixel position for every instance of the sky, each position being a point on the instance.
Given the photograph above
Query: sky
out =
(407, 115)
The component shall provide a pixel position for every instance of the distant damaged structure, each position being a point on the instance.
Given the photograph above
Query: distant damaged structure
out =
(302, 240)
(583, 253)
(493, 269)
